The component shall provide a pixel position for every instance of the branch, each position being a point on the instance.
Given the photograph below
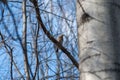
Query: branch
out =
(34, 2)
(9, 53)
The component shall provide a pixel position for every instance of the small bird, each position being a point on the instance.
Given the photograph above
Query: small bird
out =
(60, 40)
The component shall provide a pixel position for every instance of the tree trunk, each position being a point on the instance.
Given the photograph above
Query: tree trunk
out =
(24, 42)
(99, 33)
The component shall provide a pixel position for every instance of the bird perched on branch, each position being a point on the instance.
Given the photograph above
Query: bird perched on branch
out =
(60, 40)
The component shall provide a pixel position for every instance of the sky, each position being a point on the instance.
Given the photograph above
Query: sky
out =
(54, 22)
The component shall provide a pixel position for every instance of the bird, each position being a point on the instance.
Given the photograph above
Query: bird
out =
(60, 40)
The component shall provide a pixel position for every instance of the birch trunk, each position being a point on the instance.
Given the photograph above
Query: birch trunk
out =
(99, 44)
(24, 42)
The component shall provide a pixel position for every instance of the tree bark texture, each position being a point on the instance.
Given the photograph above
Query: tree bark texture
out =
(99, 39)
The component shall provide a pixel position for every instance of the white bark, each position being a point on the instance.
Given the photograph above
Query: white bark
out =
(99, 40)
(24, 42)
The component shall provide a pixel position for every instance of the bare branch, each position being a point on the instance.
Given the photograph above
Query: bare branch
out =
(35, 3)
